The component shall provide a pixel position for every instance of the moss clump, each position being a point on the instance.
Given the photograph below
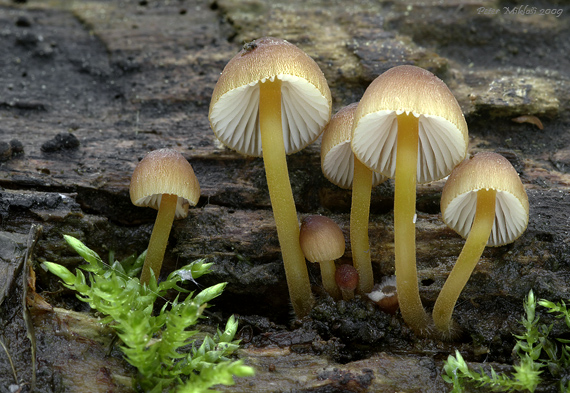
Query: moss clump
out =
(166, 354)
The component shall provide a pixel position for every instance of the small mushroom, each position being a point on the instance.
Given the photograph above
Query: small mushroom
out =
(484, 201)
(346, 277)
(322, 241)
(385, 295)
(272, 99)
(409, 126)
(163, 180)
(341, 168)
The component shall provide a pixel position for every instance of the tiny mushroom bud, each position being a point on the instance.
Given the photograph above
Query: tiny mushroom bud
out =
(385, 295)
(484, 201)
(347, 280)
(163, 180)
(322, 241)
(341, 167)
(409, 126)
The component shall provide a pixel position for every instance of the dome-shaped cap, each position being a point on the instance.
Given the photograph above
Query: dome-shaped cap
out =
(442, 128)
(321, 239)
(337, 158)
(346, 277)
(305, 96)
(164, 171)
(486, 171)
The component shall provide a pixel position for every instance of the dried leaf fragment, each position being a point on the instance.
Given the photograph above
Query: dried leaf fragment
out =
(529, 119)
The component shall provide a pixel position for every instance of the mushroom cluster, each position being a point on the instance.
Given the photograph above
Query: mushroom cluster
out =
(272, 100)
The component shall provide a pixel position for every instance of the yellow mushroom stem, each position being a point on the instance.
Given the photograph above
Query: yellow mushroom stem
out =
(159, 237)
(281, 196)
(359, 217)
(404, 224)
(328, 271)
(467, 260)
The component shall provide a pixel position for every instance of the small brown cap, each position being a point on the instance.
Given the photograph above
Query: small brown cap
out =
(486, 171)
(337, 158)
(385, 295)
(442, 127)
(305, 96)
(164, 171)
(321, 239)
(346, 277)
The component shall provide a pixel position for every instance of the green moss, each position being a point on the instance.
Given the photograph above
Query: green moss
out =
(166, 354)
(539, 357)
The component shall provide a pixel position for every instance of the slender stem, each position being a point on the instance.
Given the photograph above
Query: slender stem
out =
(359, 218)
(328, 270)
(159, 237)
(282, 201)
(472, 250)
(347, 294)
(404, 224)
(14, 373)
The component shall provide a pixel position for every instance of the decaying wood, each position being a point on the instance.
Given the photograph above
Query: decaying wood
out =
(88, 87)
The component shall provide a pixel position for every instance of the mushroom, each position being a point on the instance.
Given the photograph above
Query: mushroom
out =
(346, 277)
(340, 167)
(271, 100)
(322, 241)
(409, 126)
(385, 295)
(485, 202)
(163, 180)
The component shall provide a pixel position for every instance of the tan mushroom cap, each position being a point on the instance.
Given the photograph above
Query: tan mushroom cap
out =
(442, 128)
(337, 158)
(321, 239)
(486, 171)
(164, 171)
(305, 103)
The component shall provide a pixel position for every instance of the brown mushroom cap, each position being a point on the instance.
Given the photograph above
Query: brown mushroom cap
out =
(337, 158)
(442, 127)
(486, 171)
(321, 239)
(385, 295)
(346, 277)
(305, 104)
(164, 171)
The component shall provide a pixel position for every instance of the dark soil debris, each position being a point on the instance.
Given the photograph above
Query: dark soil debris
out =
(5, 151)
(62, 141)
(347, 381)
(17, 146)
(23, 21)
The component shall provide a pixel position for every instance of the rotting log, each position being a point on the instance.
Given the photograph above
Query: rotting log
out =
(88, 87)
